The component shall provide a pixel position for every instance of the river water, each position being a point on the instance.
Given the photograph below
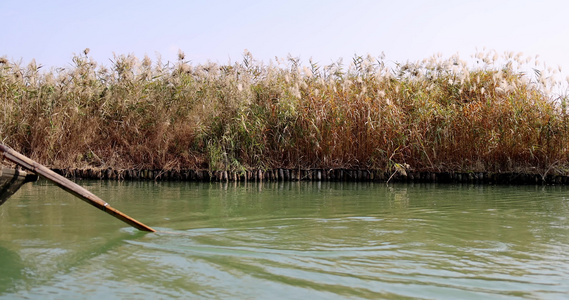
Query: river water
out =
(287, 241)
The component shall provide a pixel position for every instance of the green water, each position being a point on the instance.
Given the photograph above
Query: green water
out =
(287, 241)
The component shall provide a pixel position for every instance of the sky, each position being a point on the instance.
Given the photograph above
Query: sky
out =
(51, 32)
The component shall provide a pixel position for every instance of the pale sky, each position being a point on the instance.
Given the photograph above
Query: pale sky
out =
(220, 30)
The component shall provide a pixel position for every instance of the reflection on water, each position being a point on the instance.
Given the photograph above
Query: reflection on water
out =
(288, 240)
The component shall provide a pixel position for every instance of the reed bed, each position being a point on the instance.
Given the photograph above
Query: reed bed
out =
(438, 114)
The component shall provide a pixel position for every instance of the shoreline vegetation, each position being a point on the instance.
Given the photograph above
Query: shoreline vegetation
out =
(370, 119)
(333, 175)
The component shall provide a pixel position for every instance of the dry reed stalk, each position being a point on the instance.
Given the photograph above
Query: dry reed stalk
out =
(434, 115)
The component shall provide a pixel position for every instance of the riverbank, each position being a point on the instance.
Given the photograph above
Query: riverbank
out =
(434, 116)
(337, 175)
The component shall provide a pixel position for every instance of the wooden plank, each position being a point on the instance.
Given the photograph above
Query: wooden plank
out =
(70, 186)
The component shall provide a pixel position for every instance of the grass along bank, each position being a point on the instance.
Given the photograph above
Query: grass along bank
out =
(436, 115)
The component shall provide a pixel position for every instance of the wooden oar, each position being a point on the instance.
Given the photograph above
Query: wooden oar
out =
(70, 186)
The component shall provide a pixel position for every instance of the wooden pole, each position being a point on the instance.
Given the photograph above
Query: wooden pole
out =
(69, 186)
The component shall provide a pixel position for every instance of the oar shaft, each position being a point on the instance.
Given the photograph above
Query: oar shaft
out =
(70, 186)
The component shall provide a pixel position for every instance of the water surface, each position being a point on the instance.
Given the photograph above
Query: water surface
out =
(287, 241)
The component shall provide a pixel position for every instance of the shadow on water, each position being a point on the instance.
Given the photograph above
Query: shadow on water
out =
(37, 270)
(12, 270)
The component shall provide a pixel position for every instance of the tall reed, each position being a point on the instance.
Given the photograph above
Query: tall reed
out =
(432, 115)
